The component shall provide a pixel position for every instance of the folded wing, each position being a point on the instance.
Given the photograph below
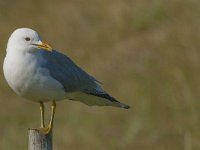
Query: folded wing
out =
(77, 83)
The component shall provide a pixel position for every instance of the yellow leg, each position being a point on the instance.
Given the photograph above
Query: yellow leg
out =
(44, 129)
(42, 125)
(53, 108)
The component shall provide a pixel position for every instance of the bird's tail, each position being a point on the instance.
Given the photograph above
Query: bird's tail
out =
(99, 99)
(121, 105)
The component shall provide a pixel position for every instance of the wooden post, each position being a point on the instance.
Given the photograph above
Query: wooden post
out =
(39, 140)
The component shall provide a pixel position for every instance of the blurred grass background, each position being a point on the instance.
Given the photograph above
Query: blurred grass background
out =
(146, 53)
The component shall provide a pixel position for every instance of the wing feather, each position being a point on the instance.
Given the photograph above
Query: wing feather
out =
(79, 85)
(71, 76)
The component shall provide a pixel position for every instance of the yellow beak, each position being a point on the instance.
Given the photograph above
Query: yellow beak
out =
(44, 46)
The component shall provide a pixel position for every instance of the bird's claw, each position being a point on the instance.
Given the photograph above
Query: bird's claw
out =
(46, 130)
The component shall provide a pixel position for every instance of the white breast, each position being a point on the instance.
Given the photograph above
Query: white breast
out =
(25, 76)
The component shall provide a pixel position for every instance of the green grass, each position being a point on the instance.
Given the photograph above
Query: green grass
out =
(146, 53)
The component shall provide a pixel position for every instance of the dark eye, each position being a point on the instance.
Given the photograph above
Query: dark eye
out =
(27, 39)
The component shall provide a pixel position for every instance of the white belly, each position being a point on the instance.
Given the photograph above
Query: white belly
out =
(31, 81)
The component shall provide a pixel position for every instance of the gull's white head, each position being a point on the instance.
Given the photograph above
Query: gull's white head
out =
(25, 39)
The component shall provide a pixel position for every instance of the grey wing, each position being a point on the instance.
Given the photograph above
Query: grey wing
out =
(80, 85)
(63, 69)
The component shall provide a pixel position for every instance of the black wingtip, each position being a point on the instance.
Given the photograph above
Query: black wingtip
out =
(121, 105)
(113, 101)
(124, 106)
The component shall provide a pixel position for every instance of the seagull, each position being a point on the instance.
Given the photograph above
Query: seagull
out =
(37, 72)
